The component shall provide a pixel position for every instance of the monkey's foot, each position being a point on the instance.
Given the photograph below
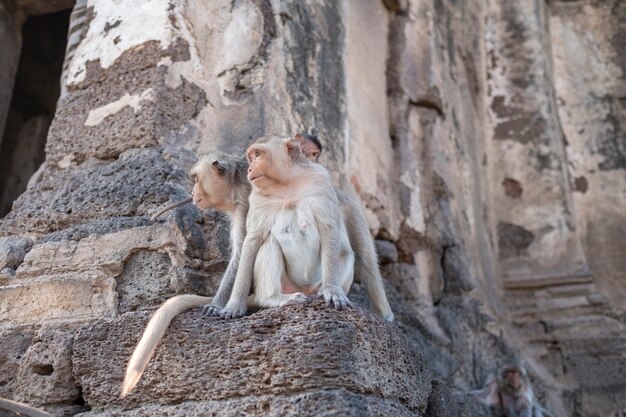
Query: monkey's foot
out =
(233, 312)
(296, 298)
(335, 297)
(211, 310)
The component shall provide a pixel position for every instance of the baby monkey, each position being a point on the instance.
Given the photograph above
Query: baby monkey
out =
(510, 394)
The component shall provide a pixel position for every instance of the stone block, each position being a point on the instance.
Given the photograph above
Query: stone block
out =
(12, 251)
(278, 352)
(340, 403)
(58, 298)
(45, 373)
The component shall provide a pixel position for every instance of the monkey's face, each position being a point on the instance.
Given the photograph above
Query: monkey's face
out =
(210, 189)
(271, 161)
(512, 380)
(260, 165)
(311, 151)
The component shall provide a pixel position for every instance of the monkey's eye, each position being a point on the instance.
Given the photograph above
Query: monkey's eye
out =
(257, 154)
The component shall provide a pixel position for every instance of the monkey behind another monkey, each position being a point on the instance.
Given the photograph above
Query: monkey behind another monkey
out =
(220, 183)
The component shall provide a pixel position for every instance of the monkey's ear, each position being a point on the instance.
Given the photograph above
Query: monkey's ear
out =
(293, 148)
(221, 171)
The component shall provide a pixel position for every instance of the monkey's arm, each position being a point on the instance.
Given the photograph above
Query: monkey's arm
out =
(237, 235)
(22, 409)
(238, 303)
(327, 219)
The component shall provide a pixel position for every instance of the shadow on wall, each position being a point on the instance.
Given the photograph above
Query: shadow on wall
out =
(35, 93)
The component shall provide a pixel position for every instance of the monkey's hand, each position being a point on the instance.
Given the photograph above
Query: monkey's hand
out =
(212, 310)
(233, 311)
(335, 297)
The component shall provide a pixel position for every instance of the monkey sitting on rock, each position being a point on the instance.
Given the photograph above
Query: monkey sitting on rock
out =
(220, 183)
(510, 394)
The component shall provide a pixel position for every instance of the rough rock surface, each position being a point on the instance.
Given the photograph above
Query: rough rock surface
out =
(484, 139)
(275, 352)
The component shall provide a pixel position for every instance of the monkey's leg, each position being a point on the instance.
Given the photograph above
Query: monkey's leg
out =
(269, 271)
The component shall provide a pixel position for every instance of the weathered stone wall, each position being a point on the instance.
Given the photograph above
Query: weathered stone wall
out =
(485, 140)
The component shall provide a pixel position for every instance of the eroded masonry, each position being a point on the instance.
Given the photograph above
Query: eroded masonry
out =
(485, 139)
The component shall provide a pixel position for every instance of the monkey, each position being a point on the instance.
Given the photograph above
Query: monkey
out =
(509, 393)
(232, 190)
(22, 409)
(311, 147)
(366, 261)
(219, 183)
(296, 243)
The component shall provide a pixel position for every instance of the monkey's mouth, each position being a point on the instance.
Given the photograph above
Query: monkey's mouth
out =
(255, 178)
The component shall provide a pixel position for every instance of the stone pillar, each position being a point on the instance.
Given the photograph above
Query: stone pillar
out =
(536, 235)
(590, 71)
(11, 38)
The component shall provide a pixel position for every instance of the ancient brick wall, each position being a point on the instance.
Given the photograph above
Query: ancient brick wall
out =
(485, 140)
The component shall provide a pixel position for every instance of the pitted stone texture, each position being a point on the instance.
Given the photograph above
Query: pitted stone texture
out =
(97, 122)
(444, 402)
(45, 374)
(144, 282)
(135, 184)
(278, 352)
(107, 252)
(13, 250)
(14, 345)
(338, 403)
(58, 298)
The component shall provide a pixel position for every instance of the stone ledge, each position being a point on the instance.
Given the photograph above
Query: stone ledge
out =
(318, 403)
(280, 352)
(60, 298)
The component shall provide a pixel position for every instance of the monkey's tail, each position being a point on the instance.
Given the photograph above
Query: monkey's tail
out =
(366, 266)
(170, 207)
(153, 334)
(22, 409)
(369, 274)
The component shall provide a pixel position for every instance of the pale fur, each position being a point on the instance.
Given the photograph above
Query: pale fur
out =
(22, 409)
(303, 193)
(235, 204)
(153, 334)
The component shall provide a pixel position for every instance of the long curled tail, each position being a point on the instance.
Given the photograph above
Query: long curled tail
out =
(153, 334)
(22, 409)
